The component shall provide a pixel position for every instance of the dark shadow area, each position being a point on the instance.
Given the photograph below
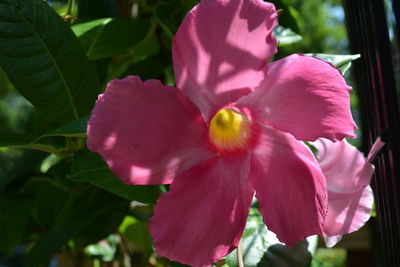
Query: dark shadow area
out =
(280, 256)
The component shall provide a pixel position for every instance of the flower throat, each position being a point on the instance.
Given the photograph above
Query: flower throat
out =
(229, 130)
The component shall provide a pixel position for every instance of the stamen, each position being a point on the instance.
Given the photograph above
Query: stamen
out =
(229, 130)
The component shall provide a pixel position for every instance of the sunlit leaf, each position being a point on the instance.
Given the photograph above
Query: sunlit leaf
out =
(105, 249)
(286, 36)
(261, 247)
(254, 241)
(342, 62)
(82, 28)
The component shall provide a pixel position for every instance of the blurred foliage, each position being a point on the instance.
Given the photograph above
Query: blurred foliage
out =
(59, 201)
(334, 257)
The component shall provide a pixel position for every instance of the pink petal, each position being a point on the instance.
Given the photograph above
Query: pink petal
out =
(202, 217)
(330, 241)
(221, 49)
(304, 96)
(345, 168)
(348, 175)
(290, 186)
(347, 213)
(146, 132)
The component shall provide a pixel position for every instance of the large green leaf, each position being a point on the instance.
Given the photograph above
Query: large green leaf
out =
(342, 62)
(109, 37)
(80, 210)
(44, 60)
(89, 167)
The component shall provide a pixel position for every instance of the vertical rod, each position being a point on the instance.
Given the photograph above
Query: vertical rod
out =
(368, 35)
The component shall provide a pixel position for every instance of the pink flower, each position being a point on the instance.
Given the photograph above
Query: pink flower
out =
(350, 197)
(229, 130)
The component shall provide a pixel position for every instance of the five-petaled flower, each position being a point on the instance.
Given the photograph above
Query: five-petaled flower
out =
(228, 130)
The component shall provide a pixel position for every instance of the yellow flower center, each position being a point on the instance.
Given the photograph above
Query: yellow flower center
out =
(229, 130)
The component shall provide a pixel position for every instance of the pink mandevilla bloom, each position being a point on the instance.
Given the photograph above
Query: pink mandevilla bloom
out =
(350, 197)
(228, 130)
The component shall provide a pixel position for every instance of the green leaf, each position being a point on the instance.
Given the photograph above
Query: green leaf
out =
(44, 142)
(286, 36)
(44, 60)
(49, 199)
(105, 249)
(342, 62)
(73, 129)
(101, 227)
(82, 28)
(262, 248)
(289, 16)
(278, 255)
(22, 167)
(139, 57)
(138, 234)
(110, 37)
(254, 241)
(149, 68)
(164, 13)
(32, 141)
(16, 139)
(80, 210)
(89, 167)
(14, 215)
(169, 14)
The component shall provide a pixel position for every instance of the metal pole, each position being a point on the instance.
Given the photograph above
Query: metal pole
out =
(368, 35)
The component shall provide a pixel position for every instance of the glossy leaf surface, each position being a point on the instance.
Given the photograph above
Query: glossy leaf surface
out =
(88, 167)
(43, 59)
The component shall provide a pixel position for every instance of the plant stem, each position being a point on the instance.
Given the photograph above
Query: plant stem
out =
(69, 7)
(68, 15)
(240, 255)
